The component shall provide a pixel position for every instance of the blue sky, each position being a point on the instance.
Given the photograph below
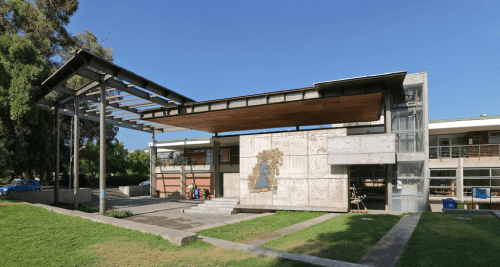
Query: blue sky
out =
(217, 49)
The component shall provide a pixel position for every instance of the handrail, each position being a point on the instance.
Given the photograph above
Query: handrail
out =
(179, 161)
(465, 151)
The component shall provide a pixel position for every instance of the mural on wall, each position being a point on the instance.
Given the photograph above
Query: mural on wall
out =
(263, 177)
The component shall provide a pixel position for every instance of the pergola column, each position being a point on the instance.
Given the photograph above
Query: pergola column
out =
(152, 172)
(102, 156)
(56, 178)
(76, 168)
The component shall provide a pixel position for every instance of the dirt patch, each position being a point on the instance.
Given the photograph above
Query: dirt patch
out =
(123, 253)
(172, 223)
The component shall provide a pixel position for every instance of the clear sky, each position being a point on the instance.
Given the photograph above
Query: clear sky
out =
(217, 49)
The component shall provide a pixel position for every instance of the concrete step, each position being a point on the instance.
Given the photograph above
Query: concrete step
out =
(213, 208)
(225, 200)
(218, 205)
(211, 212)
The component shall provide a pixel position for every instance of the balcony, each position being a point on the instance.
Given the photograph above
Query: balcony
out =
(464, 151)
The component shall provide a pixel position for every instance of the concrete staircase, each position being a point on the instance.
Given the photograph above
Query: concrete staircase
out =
(216, 206)
(111, 193)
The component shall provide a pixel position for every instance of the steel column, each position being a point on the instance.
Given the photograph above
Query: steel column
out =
(76, 169)
(152, 154)
(102, 156)
(56, 178)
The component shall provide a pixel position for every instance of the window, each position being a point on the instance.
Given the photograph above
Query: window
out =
(194, 150)
(225, 155)
(31, 183)
(482, 177)
(443, 182)
(494, 137)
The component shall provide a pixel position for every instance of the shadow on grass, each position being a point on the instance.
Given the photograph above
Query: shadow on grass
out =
(344, 238)
(443, 240)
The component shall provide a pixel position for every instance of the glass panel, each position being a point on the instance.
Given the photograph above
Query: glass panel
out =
(433, 140)
(494, 137)
(477, 172)
(443, 173)
(407, 186)
(495, 172)
(412, 169)
(495, 182)
(442, 182)
(459, 139)
(476, 182)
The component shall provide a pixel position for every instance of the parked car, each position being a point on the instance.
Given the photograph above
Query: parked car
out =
(145, 182)
(21, 185)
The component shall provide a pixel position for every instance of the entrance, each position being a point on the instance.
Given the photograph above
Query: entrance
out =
(369, 180)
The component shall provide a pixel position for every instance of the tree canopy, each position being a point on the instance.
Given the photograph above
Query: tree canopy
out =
(42, 22)
(25, 130)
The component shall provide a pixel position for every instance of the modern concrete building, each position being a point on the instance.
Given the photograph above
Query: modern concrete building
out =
(464, 153)
(378, 142)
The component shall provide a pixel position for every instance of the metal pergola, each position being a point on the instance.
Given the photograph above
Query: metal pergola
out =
(112, 96)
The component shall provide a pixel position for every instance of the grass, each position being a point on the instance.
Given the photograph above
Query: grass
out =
(254, 228)
(345, 237)
(34, 236)
(442, 240)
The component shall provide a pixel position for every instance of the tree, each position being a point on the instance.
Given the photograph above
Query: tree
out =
(42, 22)
(115, 159)
(25, 130)
(138, 162)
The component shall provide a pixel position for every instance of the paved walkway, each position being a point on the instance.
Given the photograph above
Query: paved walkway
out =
(273, 253)
(387, 251)
(290, 229)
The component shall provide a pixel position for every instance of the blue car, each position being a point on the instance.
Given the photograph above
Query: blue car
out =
(19, 186)
(146, 182)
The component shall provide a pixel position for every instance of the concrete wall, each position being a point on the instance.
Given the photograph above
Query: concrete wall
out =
(486, 162)
(231, 184)
(230, 168)
(47, 196)
(136, 190)
(362, 149)
(303, 179)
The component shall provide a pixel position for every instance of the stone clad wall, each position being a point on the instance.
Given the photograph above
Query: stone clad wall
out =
(297, 170)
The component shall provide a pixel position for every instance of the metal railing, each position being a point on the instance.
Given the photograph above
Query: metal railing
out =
(179, 161)
(464, 151)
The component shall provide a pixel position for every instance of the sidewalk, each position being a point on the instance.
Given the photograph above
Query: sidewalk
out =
(387, 251)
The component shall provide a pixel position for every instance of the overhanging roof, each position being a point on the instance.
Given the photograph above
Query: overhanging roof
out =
(464, 125)
(134, 93)
(350, 100)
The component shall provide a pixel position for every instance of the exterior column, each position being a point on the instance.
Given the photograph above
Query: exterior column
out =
(388, 167)
(460, 180)
(56, 178)
(152, 172)
(216, 161)
(427, 172)
(102, 155)
(76, 168)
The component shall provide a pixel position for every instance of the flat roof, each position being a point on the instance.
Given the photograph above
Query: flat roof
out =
(464, 125)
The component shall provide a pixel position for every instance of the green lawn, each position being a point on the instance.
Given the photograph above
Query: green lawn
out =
(345, 237)
(442, 240)
(254, 228)
(34, 236)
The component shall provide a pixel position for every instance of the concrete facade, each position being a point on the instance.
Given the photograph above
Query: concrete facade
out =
(362, 149)
(136, 190)
(231, 184)
(303, 179)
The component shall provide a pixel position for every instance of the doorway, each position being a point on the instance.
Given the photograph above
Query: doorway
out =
(369, 180)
